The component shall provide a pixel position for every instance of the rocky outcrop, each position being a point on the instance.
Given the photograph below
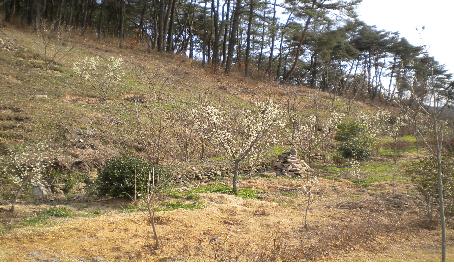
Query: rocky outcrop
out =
(288, 164)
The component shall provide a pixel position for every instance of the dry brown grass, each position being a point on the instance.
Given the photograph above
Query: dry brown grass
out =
(346, 223)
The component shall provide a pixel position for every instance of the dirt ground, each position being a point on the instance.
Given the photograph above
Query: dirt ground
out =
(346, 223)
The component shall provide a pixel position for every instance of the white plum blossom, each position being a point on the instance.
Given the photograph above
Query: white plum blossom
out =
(26, 167)
(102, 74)
(355, 169)
(87, 67)
(240, 133)
(383, 122)
(115, 69)
(29, 164)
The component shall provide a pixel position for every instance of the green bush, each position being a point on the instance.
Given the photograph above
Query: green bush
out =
(121, 174)
(355, 141)
(66, 180)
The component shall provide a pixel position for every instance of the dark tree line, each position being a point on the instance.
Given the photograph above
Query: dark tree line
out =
(319, 43)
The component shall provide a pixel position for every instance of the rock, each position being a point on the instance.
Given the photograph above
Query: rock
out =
(289, 164)
(198, 176)
(41, 97)
(293, 151)
(40, 192)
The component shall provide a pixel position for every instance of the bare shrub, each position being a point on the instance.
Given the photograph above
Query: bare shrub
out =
(55, 41)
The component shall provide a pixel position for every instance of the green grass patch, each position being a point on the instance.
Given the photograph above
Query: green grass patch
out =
(408, 138)
(44, 216)
(90, 213)
(131, 208)
(376, 172)
(371, 172)
(219, 158)
(185, 195)
(213, 188)
(248, 193)
(277, 150)
(379, 168)
(388, 152)
(2, 229)
(58, 212)
(173, 205)
(331, 171)
(245, 193)
(390, 148)
(193, 194)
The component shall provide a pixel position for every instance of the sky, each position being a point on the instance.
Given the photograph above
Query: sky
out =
(405, 16)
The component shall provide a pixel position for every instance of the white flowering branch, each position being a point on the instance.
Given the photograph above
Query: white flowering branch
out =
(27, 168)
(312, 134)
(241, 134)
(101, 74)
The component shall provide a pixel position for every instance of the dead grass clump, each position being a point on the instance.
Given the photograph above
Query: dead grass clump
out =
(261, 212)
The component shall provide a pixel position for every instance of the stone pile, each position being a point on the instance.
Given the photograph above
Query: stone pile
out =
(288, 164)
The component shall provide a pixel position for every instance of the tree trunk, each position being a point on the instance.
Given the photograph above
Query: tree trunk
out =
(100, 21)
(262, 43)
(239, 45)
(191, 38)
(210, 36)
(215, 11)
(298, 50)
(142, 17)
(391, 77)
(281, 45)
(19, 193)
(440, 189)
(226, 33)
(122, 23)
(161, 27)
(37, 10)
(248, 37)
(170, 31)
(273, 38)
(8, 6)
(233, 33)
(236, 171)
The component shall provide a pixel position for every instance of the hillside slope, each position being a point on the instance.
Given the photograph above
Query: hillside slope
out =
(377, 216)
(53, 105)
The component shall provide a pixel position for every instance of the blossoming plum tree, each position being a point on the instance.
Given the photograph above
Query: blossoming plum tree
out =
(313, 134)
(26, 167)
(102, 74)
(239, 133)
